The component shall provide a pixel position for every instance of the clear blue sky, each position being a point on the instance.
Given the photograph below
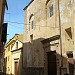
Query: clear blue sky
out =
(15, 13)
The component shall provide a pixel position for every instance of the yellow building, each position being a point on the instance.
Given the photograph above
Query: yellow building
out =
(49, 37)
(13, 55)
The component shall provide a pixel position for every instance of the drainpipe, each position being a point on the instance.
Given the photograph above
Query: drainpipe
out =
(61, 59)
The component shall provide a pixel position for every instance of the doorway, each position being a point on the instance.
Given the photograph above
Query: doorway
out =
(70, 62)
(16, 68)
(52, 69)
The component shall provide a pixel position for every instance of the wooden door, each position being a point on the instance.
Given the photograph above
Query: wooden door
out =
(16, 68)
(71, 69)
(52, 69)
(71, 66)
(70, 62)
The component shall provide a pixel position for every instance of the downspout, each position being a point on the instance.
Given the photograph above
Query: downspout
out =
(61, 59)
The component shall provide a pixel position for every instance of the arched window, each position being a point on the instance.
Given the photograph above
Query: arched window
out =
(31, 21)
(49, 7)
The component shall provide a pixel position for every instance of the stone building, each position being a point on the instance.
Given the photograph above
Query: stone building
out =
(49, 45)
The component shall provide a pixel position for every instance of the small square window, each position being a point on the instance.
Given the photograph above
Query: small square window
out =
(51, 10)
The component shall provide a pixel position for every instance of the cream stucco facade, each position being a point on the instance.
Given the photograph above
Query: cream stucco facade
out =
(13, 55)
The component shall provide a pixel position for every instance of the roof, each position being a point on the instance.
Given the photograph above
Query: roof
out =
(6, 4)
(16, 37)
(28, 4)
(19, 37)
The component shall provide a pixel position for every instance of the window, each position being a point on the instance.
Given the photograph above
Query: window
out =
(70, 62)
(31, 38)
(69, 32)
(32, 23)
(6, 59)
(16, 45)
(9, 48)
(51, 10)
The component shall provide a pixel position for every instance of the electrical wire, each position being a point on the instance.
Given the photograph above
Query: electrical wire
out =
(29, 24)
(14, 22)
(17, 27)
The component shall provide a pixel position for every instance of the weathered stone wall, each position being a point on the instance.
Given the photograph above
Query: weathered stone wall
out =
(46, 27)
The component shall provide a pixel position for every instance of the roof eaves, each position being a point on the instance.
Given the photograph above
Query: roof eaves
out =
(6, 4)
(11, 41)
(28, 4)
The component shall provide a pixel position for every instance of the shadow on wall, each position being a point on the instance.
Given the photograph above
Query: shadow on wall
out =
(34, 60)
(30, 61)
